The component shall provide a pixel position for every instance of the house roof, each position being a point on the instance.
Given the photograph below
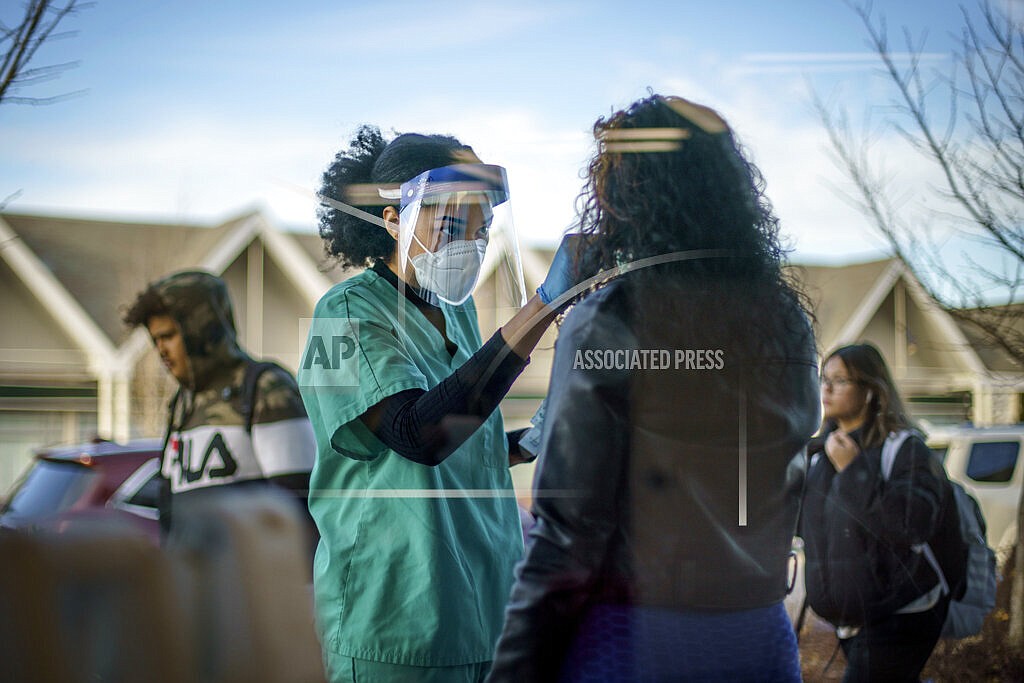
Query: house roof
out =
(991, 354)
(838, 293)
(313, 245)
(103, 265)
(100, 262)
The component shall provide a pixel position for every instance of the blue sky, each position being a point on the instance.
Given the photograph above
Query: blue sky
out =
(196, 111)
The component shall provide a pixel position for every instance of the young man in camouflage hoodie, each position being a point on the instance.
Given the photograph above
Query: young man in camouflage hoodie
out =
(210, 446)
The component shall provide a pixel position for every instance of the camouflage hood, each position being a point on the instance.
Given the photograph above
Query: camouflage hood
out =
(200, 304)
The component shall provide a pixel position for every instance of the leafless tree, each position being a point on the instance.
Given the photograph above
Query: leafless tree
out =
(978, 150)
(18, 47)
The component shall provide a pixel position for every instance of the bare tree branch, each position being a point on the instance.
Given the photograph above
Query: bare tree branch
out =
(8, 199)
(961, 185)
(20, 44)
(981, 162)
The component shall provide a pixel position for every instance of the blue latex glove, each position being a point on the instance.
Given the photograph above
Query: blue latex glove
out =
(563, 274)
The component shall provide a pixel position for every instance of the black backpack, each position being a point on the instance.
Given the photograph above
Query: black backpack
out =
(959, 553)
(253, 372)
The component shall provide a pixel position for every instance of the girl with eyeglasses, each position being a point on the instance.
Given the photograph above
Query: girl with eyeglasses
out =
(862, 530)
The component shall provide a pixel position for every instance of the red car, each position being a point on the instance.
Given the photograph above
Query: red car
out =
(98, 481)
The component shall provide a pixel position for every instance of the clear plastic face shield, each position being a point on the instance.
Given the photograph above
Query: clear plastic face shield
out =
(455, 230)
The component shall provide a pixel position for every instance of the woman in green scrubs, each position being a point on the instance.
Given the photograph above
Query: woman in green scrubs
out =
(411, 491)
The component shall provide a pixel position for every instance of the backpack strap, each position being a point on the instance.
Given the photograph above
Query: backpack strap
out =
(163, 505)
(893, 443)
(929, 555)
(253, 372)
(171, 408)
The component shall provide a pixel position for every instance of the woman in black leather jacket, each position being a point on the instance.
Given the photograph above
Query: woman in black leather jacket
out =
(682, 395)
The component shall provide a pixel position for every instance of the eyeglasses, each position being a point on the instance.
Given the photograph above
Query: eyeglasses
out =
(836, 383)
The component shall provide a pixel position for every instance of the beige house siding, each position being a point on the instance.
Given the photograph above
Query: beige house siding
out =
(881, 330)
(283, 310)
(996, 406)
(32, 346)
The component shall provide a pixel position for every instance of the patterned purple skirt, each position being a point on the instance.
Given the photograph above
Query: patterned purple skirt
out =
(619, 643)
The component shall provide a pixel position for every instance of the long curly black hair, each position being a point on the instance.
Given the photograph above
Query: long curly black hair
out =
(676, 186)
(370, 160)
(671, 185)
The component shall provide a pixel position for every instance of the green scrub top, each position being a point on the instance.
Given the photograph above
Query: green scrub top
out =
(414, 564)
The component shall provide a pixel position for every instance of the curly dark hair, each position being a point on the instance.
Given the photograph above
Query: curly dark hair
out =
(670, 177)
(685, 186)
(370, 159)
(147, 304)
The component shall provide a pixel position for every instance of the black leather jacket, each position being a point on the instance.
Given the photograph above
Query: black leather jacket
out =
(663, 484)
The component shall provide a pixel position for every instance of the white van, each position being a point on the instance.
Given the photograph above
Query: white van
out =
(987, 463)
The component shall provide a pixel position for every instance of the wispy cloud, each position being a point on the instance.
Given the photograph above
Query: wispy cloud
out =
(377, 32)
(809, 63)
(827, 57)
(205, 169)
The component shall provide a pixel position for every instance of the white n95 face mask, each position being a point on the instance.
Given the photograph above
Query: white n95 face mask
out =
(452, 271)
